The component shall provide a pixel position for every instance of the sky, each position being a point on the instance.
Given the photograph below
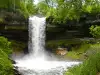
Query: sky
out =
(36, 1)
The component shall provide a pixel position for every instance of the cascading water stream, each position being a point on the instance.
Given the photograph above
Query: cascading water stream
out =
(36, 36)
(37, 63)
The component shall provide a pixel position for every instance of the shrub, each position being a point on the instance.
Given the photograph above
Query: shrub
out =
(95, 31)
(6, 67)
(5, 45)
(93, 50)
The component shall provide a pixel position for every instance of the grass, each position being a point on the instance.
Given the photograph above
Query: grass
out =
(73, 55)
(83, 51)
(90, 66)
(83, 48)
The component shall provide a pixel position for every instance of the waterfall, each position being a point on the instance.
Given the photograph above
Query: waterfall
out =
(36, 35)
(36, 63)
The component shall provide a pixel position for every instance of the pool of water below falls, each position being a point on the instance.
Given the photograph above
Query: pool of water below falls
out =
(40, 66)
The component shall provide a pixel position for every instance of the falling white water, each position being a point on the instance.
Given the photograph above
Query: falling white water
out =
(36, 35)
(36, 62)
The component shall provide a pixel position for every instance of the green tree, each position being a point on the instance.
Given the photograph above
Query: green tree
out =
(9, 4)
(27, 8)
(95, 31)
(63, 10)
(91, 6)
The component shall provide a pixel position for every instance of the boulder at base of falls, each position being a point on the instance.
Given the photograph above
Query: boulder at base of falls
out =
(98, 73)
(61, 51)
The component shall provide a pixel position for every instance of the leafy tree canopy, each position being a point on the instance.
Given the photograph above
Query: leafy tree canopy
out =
(25, 7)
(63, 10)
(60, 10)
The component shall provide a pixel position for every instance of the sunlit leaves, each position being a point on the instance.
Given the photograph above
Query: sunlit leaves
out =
(61, 10)
(87, 8)
(95, 31)
(42, 8)
(23, 9)
(71, 9)
(67, 10)
(91, 6)
(27, 8)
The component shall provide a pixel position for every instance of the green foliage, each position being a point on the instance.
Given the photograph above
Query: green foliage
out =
(79, 49)
(83, 52)
(5, 45)
(63, 10)
(93, 49)
(46, 8)
(90, 66)
(83, 47)
(95, 31)
(9, 4)
(6, 67)
(42, 8)
(91, 6)
(78, 52)
(75, 55)
(66, 10)
(27, 8)
(60, 10)
(4, 3)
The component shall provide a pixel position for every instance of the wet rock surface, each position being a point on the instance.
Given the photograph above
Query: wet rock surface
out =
(16, 71)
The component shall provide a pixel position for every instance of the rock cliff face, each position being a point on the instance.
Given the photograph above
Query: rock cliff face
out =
(11, 17)
(13, 25)
(19, 35)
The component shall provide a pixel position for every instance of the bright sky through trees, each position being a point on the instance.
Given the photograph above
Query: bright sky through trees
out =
(37, 1)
